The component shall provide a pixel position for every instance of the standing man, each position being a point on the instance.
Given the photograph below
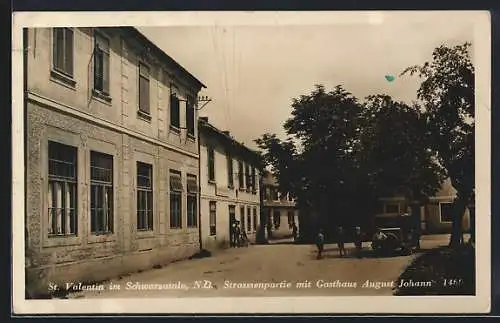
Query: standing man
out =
(237, 234)
(358, 242)
(320, 243)
(341, 241)
(294, 231)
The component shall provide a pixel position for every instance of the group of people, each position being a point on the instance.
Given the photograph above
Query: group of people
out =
(238, 237)
(341, 239)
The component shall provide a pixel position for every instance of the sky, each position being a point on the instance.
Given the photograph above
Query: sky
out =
(253, 72)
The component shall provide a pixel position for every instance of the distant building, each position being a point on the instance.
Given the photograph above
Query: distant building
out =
(280, 210)
(112, 155)
(229, 180)
(435, 216)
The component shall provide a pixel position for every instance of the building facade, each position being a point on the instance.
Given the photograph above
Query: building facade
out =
(229, 182)
(435, 216)
(279, 209)
(112, 155)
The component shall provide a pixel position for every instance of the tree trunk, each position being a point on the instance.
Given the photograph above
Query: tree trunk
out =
(459, 206)
(472, 223)
(415, 215)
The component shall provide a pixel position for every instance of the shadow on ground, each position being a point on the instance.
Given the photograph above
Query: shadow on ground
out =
(442, 271)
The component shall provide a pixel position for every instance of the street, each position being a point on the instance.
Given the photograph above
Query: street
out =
(278, 269)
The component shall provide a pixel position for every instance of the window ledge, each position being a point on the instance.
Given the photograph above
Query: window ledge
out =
(63, 79)
(231, 187)
(175, 129)
(211, 181)
(176, 228)
(101, 96)
(101, 237)
(143, 115)
(191, 137)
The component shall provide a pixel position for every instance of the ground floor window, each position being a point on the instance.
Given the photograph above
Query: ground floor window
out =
(392, 208)
(144, 196)
(242, 218)
(62, 190)
(192, 197)
(255, 219)
(101, 193)
(249, 219)
(175, 200)
(446, 211)
(213, 217)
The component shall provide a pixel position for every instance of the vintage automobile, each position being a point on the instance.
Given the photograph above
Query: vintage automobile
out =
(394, 234)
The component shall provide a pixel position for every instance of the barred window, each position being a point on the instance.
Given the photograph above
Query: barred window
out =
(101, 64)
(277, 219)
(144, 197)
(144, 89)
(62, 190)
(213, 218)
(63, 50)
(175, 200)
(101, 193)
(192, 197)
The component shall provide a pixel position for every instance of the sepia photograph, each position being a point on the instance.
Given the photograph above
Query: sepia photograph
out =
(251, 162)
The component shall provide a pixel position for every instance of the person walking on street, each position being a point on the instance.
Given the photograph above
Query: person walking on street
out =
(320, 243)
(341, 241)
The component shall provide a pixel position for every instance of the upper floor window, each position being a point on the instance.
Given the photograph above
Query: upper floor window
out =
(211, 164)
(144, 89)
(190, 116)
(174, 111)
(62, 192)
(248, 183)
(101, 63)
(241, 175)
(230, 180)
(253, 178)
(63, 50)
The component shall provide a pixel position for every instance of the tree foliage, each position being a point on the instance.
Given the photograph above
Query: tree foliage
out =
(447, 93)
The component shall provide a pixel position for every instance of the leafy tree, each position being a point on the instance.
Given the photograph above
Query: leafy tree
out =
(394, 152)
(447, 93)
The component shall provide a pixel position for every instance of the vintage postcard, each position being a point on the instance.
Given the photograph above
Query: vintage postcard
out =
(251, 162)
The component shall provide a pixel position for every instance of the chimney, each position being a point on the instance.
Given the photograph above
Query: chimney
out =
(204, 119)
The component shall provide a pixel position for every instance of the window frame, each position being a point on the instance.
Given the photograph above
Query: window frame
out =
(174, 97)
(441, 212)
(249, 219)
(55, 67)
(105, 90)
(140, 111)
(230, 170)
(192, 196)
(72, 182)
(190, 122)
(105, 185)
(241, 175)
(242, 218)
(211, 164)
(254, 214)
(212, 218)
(175, 195)
(148, 193)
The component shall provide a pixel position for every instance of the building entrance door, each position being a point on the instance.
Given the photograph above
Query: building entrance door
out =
(232, 224)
